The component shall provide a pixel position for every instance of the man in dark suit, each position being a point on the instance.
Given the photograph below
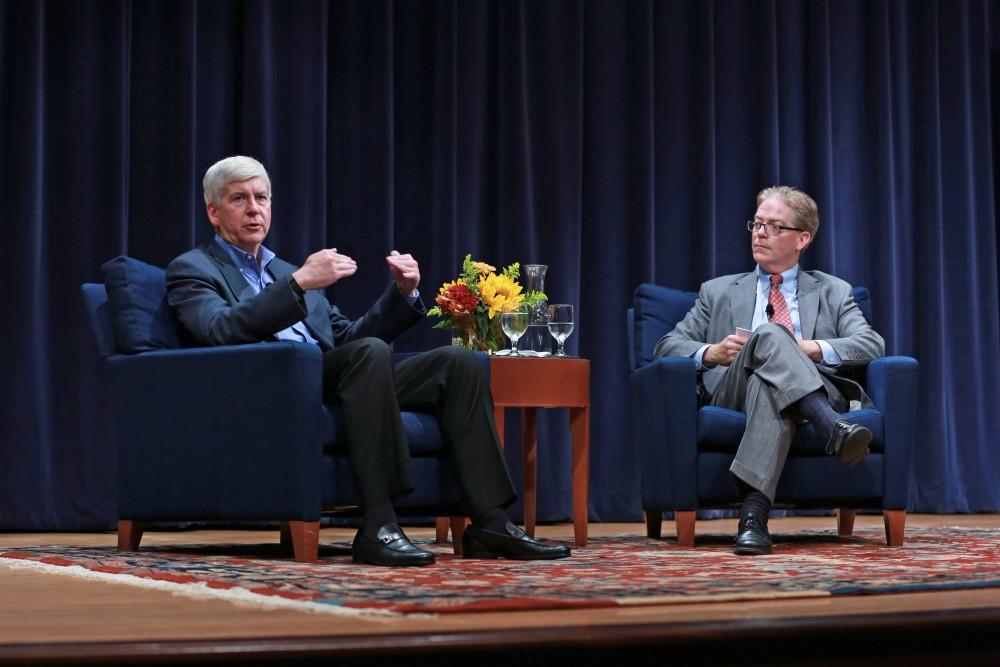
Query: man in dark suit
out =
(770, 343)
(234, 290)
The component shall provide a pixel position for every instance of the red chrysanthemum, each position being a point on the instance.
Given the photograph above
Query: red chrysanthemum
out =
(456, 300)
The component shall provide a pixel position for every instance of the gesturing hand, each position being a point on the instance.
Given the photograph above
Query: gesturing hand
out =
(723, 352)
(324, 268)
(405, 270)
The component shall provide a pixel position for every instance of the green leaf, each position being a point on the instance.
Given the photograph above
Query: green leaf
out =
(535, 297)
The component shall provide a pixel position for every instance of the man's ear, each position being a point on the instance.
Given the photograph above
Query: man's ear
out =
(805, 238)
(213, 213)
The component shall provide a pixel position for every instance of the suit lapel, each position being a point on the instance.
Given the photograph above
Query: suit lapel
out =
(742, 298)
(808, 304)
(279, 268)
(314, 319)
(238, 285)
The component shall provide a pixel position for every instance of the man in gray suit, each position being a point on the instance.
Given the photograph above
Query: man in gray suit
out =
(770, 343)
(234, 290)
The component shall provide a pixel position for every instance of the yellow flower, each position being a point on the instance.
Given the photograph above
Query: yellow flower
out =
(484, 268)
(499, 293)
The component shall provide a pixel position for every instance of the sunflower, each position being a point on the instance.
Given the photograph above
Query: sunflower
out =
(500, 293)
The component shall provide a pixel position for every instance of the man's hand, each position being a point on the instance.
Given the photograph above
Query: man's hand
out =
(405, 270)
(324, 268)
(811, 349)
(723, 352)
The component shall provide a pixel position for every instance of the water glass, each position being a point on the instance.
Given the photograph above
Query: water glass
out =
(514, 324)
(560, 324)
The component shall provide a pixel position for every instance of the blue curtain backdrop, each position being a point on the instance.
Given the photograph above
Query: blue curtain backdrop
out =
(617, 142)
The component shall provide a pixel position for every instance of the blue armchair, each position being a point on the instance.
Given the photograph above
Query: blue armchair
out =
(195, 444)
(685, 451)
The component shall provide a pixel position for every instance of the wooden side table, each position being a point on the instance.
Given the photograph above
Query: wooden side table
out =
(530, 383)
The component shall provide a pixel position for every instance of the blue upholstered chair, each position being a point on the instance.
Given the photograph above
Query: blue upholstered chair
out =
(685, 451)
(197, 442)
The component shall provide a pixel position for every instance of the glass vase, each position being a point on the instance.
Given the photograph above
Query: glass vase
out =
(536, 339)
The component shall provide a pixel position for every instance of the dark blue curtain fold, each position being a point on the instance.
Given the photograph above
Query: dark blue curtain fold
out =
(616, 142)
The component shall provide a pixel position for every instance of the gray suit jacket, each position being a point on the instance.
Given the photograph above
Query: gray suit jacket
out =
(826, 312)
(216, 305)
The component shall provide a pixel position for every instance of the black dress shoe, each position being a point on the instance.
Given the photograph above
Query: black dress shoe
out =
(752, 538)
(848, 442)
(513, 544)
(390, 547)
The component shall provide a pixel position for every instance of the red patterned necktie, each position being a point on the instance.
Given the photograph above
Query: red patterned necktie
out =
(779, 308)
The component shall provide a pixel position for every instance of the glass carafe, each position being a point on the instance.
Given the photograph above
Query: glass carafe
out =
(537, 338)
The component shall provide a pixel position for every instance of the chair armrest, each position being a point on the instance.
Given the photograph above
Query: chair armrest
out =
(221, 432)
(664, 418)
(892, 385)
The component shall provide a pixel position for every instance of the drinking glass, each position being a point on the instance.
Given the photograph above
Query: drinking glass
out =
(560, 324)
(514, 324)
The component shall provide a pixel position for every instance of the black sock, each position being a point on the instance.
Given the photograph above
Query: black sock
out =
(753, 500)
(742, 488)
(494, 519)
(817, 409)
(378, 516)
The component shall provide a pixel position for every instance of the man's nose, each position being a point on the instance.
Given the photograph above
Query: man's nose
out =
(252, 207)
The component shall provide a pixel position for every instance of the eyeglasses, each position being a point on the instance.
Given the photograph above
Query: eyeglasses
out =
(772, 229)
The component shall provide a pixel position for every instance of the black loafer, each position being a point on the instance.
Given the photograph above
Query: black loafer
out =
(848, 442)
(752, 538)
(513, 544)
(391, 547)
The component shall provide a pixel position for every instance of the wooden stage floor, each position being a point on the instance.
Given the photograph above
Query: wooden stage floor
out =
(62, 620)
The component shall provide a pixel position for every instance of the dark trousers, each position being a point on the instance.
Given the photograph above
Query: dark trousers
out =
(448, 383)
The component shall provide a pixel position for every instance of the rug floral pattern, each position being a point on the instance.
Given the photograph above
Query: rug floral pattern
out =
(611, 571)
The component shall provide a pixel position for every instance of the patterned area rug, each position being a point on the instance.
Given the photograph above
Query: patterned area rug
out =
(610, 571)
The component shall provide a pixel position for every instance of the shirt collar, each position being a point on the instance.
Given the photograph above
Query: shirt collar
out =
(242, 259)
(789, 277)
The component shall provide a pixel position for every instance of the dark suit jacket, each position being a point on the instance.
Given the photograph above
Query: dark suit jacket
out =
(217, 307)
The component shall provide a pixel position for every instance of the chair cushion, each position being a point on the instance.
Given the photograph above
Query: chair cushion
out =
(141, 318)
(720, 430)
(422, 433)
(657, 310)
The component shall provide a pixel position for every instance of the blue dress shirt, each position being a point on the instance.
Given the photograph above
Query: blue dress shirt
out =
(258, 277)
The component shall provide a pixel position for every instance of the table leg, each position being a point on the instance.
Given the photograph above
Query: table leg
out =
(579, 425)
(529, 454)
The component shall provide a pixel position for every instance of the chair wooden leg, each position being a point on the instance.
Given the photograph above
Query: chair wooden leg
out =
(895, 524)
(441, 530)
(305, 540)
(845, 521)
(458, 524)
(685, 528)
(285, 536)
(654, 523)
(129, 535)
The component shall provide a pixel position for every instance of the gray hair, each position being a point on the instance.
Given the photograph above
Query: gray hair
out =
(231, 170)
(806, 211)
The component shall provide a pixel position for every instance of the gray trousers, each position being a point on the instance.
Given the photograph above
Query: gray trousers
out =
(768, 375)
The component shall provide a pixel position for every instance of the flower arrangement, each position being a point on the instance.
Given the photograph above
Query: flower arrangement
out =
(472, 303)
